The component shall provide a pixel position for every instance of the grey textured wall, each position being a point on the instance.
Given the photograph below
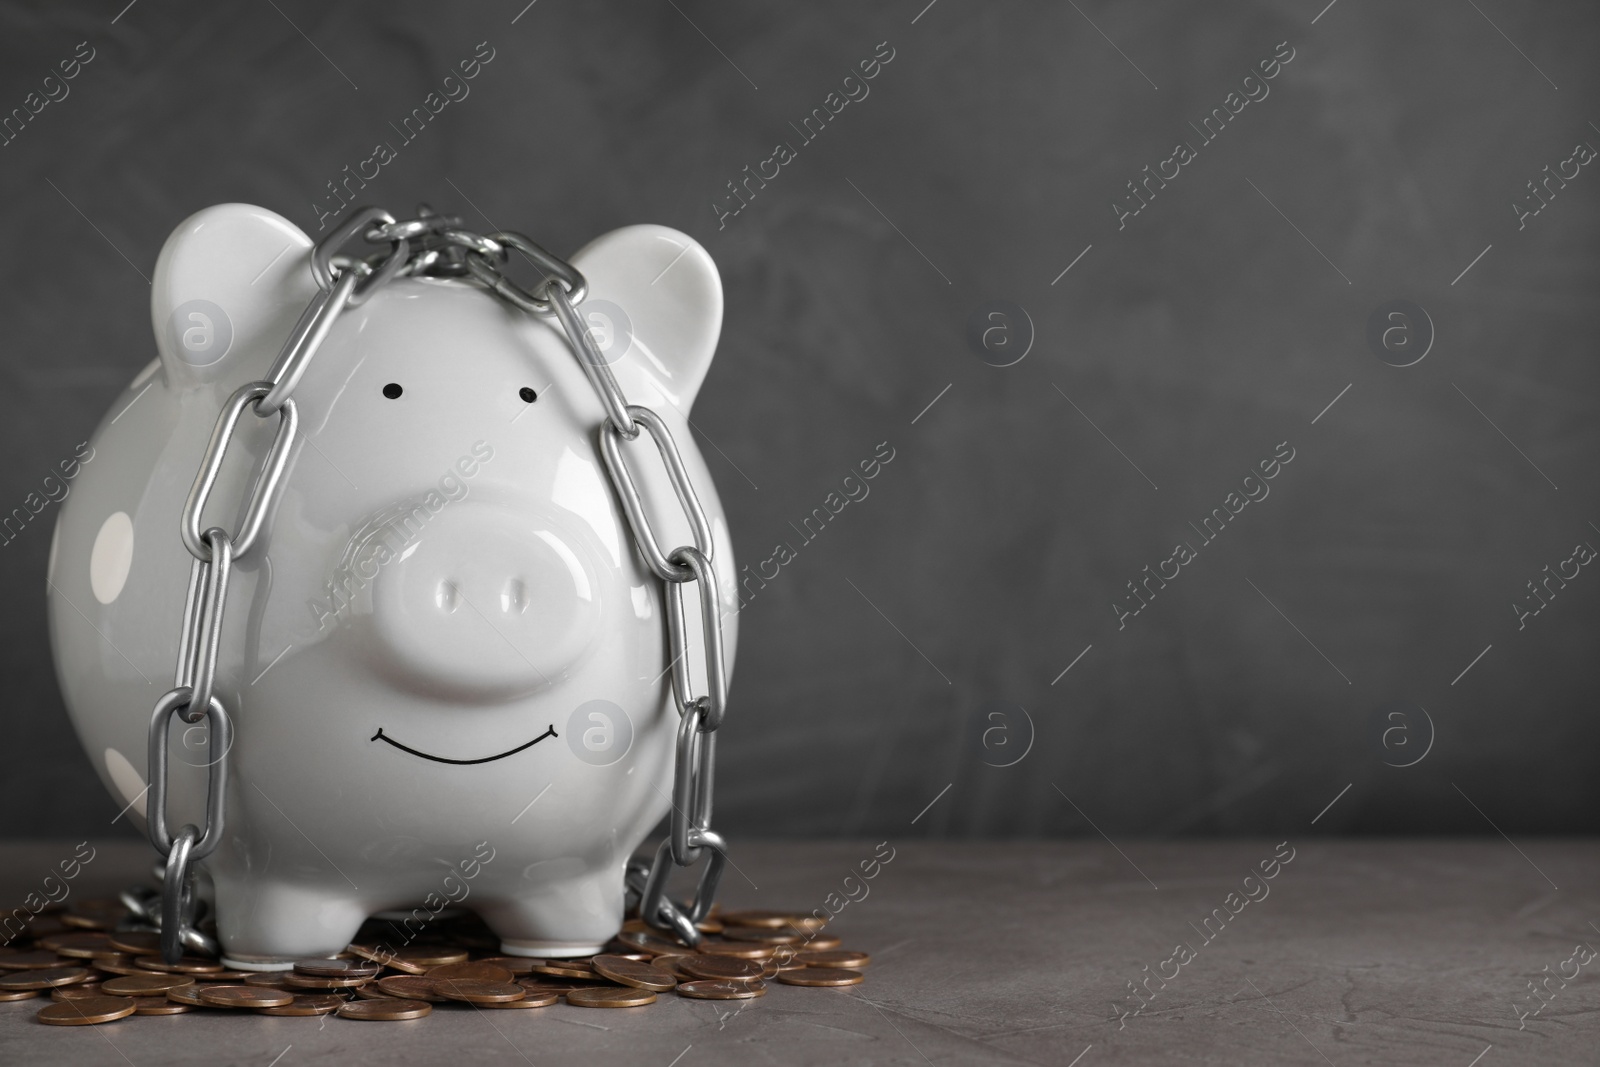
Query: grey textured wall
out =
(1321, 639)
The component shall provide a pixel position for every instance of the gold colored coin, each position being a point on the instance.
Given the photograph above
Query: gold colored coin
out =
(531, 1000)
(714, 990)
(135, 942)
(315, 1004)
(822, 976)
(185, 965)
(405, 987)
(19, 994)
(145, 985)
(834, 958)
(245, 996)
(78, 944)
(44, 978)
(741, 950)
(86, 1012)
(721, 968)
(471, 972)
(29, 961)
(152, 1006)
(610, 997)
(634, 973)
(337, 968)
(384, 1010)
(478, 992)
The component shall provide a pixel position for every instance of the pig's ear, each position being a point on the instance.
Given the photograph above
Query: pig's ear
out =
(668, 288)
(230, 284)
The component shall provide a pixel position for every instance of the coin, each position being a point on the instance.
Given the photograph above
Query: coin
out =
(245, 996)
(337, 968)
(478, 992)
(517, 965)
(101, 913)
(428, 957)
(714, 990)
(30, 961)
(648, 941)
(312, 1004)
(671, 963)
(118, 965)
(190, 995)
(822, 976)
(44, 978)
(136, 942)
(79, 944)
(721, 968)
(384, 1010)
(777, 920)
(19, 994)
(370, 991)
(185, 965)
(563, 968)
(529, 1000)
(294, 980)
(471, 972)
(76, 992)
(152, 1006)
(834, 958)
(86, 1012)
(610, 997)
(405, 987)
(743, 950)
(145, 985)
(634, 973)
(269, 979)
(764, 935)
(823, 942)
(384, 957)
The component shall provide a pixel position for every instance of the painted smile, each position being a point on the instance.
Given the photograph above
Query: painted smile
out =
(381, 736)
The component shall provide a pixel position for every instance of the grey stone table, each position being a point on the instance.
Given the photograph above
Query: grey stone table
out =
(1394, 952)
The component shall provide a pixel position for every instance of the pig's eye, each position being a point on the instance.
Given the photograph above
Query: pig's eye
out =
(393, 390)
(528, 395)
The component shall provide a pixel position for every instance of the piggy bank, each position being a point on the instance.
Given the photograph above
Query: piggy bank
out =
(444, 658)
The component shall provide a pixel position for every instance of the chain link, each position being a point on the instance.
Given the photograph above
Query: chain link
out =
(434, 244)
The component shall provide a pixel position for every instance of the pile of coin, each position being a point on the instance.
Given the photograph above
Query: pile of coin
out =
(96, 970)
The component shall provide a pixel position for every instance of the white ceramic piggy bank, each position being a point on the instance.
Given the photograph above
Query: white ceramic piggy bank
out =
(445, 660)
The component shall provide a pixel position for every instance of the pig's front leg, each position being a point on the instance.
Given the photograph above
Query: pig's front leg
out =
(267, 925)
(555, 915)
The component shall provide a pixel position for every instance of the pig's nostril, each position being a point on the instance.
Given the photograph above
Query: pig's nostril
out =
(448, 597)
(514, 597)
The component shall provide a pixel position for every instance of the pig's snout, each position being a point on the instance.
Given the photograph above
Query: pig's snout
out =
(482, 602)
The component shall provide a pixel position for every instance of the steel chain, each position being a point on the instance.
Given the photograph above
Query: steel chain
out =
(434, 244)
